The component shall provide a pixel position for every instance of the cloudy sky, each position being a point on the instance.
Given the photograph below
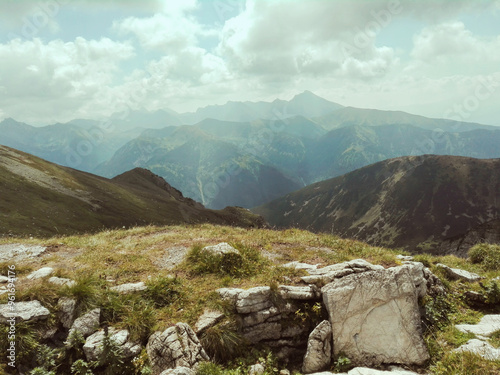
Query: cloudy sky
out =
(65, 59)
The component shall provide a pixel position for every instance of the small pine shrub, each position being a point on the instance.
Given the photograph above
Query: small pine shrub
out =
(487, 255)
(80, 367)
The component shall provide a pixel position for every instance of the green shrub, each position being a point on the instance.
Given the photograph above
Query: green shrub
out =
(80, 367)
(342, 364)
(248, 262)
(492, 292)
(436, 311)
(162, 291)
(222, 342)
(487, 255)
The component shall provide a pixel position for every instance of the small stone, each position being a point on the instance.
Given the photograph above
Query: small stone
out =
(129, 288)
(62, 281)
(257, 369)
(486, 326)
(207, 320)
(404, 257)
(458, 274)
(26, 311)
(41, 273)
(319, 349)
(4, 279)
(93, 346)
(299, 292)
(66, 313)
(178, 371)
(222, 248)
(87, 324)
(481, 348)
(254, 299)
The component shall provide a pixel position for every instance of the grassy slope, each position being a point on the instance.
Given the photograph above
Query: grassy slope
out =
(69, 201)
(139, 253)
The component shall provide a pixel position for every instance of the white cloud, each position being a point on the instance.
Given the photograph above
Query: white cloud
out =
(54, 79)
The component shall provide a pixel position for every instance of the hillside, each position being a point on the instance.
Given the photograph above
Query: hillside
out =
(43, 199)
(414, 202)
(139, 284)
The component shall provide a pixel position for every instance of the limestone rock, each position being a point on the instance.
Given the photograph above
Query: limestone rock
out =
(207, 320)
(66, 311)
(300, 266)
(256, 369)
(299, 292)
(174, 347)
(404, 257)
(221, 249)
(93, 346)
(375, 317)
(425, 281)
(481, 348)
(319, 349)
(486, 326)
(253, 299)
(26, 311)
(41, 273)
(88, 323)
(178, 371)
(229, 294)
(4, 279)
(264, 331)
(129, 288)
(259, 317)
(61, 281)
(327, 274)
(18, 252)
(370, 371)
(458, 274)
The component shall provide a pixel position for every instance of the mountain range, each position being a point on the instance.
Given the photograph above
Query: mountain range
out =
(40, 198)
(421, 203)
(248, 153)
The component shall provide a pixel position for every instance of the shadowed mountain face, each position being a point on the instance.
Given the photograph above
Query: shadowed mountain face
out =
(44, 199)
(415, 202)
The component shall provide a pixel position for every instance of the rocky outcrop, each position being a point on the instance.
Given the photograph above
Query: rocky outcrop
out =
(87, 324)
(26, 311)
(327, 274)
(375, 317)
(94, 345)
(174, 347)
(319, 349)
(488, 232)
(458, 274)
(16, 252)
(178, 371)
(482, 348)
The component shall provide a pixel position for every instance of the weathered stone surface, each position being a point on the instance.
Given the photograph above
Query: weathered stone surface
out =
(221, 249)
(41, 273)
(87, 324)
(486, 326)
(375, 317)
(61, 281)
(458, 274)
(93, 346)
(327, 274)
(129, 288)
(264, 331)
(174, 347)
(256, 369)
(66, 311)
(299, 292)
(259, 317)
(370, 371)
(207, 320)
(319, 349)
(475, 298)
(254, 299)
(17, 252)
(300, 266)
(404, 257)
(481, 348)
(26, 311)
(179, 371)
(4, 279)
(229, 294)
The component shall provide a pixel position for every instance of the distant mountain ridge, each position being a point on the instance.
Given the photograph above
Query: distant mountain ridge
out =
(248, 153)
(44, 199)
(416, 202)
